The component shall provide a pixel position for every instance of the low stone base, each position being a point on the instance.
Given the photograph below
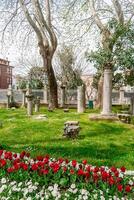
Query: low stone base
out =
(100, 117)
(40, 117)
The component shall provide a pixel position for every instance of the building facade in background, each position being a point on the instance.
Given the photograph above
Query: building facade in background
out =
(5, 74)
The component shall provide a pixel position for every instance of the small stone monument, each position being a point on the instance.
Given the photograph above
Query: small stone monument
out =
(121, 97)
(131, 96)
(81, 99)
(63, 96)
(29, 97)
(23, 98)
(71, 129)
(132, 105)
(9, 96)
(8, 99)
(37, 104)
(66, 110)
(45, 95)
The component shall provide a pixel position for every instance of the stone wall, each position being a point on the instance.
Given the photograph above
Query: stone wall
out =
(70, 97)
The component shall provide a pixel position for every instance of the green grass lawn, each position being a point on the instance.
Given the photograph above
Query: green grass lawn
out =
(101, 143)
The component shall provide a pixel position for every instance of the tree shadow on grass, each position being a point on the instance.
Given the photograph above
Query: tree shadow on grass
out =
(94, 154)
(105, 129)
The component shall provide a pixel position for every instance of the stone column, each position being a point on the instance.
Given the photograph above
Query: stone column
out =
(45, 95)
(10, 93)
(23, 98)
(9, 96)
(121, 97)
(63, 96)
(37, 104)
(29, 97)
(81, 99)
(107, 93)
(132, 105)
(8, 101)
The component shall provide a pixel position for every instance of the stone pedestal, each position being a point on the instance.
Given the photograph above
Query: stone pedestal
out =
(10, 94)
(81, 99)
(107, 93)
(37, 104)
(23, 98)
(132, 106)
(63, 96)
(45, 95)
(8, 101)
(29, 97)
(121, 97)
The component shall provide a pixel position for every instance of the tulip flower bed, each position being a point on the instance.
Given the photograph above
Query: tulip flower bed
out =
(24, 178)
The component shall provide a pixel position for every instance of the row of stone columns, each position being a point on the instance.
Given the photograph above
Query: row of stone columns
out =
(81, 104)
(29, 96)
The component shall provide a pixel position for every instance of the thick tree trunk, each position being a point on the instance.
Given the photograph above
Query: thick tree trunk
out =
(47, 56)
(53, 91)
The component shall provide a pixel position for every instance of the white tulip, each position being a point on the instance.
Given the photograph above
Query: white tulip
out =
(73, 186)
(3, 180)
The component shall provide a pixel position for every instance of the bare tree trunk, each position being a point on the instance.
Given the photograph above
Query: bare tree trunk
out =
(47, 41)
(52, 83)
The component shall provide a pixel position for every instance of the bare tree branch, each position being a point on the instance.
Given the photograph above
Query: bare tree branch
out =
(96, 17)
(118, 10)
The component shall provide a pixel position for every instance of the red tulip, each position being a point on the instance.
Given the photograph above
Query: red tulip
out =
(10, 170)
(34, 167)
(1, 152)
(25, 167)
(80, 172)
(116, 173)
(74, 162)
(2, 163)
(111, 180)
(64, 169)
(72, 171)
(84, 162)
(44, 171)
(120, 188)
(127, 188)
(15, 155)
(113, 169)
(123, 169)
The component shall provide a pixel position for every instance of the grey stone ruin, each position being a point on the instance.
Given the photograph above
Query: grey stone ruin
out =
(29, 97)
(63, 96)
(10, 97)
(23, 98)
(45, 95)
(37, 104)
(131, 96)
(81, 99)
(132, 106)
(121, 96)
(107, 93)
